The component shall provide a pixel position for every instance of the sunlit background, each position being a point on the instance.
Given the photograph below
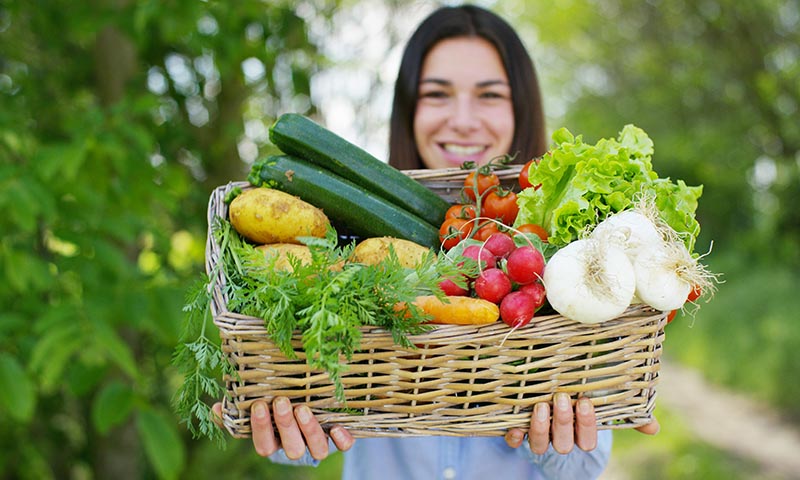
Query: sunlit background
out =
(118, 118)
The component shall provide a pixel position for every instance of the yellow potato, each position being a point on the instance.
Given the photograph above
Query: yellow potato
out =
(283, 250)
(372, 251)
(265, 215)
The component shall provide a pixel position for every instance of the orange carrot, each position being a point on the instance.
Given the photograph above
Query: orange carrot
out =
(459, 310)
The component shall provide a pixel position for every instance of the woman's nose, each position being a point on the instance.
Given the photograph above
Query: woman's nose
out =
(463, 118)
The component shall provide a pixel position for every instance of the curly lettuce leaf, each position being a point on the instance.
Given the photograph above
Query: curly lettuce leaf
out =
(581, 184)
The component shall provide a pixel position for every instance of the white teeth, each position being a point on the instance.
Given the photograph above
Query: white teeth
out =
(462, 150)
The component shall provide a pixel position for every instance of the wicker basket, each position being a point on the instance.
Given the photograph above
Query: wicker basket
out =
(460, 380)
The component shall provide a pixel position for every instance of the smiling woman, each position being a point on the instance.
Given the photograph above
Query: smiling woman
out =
(466, 90)
(464, 110)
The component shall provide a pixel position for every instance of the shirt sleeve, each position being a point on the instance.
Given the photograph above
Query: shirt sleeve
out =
(576, 464)
(305, 460)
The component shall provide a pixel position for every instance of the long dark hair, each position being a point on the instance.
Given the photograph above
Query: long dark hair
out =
(467, 21)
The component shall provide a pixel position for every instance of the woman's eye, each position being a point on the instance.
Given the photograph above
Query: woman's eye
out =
(433, 94)
(491, 95)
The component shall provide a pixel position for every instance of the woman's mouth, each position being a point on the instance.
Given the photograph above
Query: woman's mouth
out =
(457, 154)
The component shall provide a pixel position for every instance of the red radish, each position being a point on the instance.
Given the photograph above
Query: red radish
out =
(500, 244)
(535, 290)
(525, 265)
(450, 288)
(517, 309)
(483, 256)
(492, 285)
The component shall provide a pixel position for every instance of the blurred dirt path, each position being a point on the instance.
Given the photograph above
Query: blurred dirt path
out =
(731, 421)
(727, 420)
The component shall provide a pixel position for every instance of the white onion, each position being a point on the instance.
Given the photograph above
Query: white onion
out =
(664, 275)
(633, 229)
(590, 281)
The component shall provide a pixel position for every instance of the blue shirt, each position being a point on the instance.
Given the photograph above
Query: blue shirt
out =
(462, 458)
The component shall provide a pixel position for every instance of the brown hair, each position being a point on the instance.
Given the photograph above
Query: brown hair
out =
(467, 21)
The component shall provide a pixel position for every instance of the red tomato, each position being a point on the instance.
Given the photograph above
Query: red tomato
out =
(480, 182)
(671, 316)
(535, 229)
(523, 175)
(453, 230)
(485, 231)
(460, 211)
(501, 205)
(695, 293)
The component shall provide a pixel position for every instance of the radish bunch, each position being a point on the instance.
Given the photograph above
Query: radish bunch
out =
(508, 275)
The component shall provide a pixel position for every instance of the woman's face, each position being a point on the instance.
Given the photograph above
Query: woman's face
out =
(464, 110)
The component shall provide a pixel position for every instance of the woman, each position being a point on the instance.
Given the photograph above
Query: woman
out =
(422, 99)
(466, 91)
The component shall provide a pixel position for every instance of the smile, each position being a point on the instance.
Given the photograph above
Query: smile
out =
(463, 149)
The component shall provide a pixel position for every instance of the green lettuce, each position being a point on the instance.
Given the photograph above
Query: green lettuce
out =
(581, 184)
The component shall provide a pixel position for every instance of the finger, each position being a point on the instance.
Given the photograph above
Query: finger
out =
(539, 433)
(585, 425)
(563, 426)
(291, 439)
(264, 439)
(514, 437)
(216, 414)
(651, 428)
(316, 440)
(342, 438)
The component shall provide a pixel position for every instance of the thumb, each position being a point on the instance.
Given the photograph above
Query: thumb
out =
(216, 414)
(651, 428)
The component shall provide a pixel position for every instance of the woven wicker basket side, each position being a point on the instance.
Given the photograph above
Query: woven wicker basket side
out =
(459, 380)
(447, 182)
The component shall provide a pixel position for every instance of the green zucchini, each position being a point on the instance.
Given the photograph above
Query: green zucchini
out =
(300, 136)
(360, 211)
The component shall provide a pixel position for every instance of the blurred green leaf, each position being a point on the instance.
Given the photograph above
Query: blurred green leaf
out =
(24, 271)
(111, 406)
(53, 352)
(17, 392)
(161, 441)
(11, 322)
(60, 162)
(115, 348)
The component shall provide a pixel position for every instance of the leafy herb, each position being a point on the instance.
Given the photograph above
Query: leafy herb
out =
(202, 362)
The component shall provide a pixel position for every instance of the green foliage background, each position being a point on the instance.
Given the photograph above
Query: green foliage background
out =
(117, 119)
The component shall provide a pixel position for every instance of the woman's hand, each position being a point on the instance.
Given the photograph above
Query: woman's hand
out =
(298, 430)
(568, 428)
(651, 428)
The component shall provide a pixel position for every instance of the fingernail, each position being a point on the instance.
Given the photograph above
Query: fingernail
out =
(259, 410)
(282, 406)
(337, 434)
(541, 412)
(303, 414)
(584, 405)
(562, 401)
